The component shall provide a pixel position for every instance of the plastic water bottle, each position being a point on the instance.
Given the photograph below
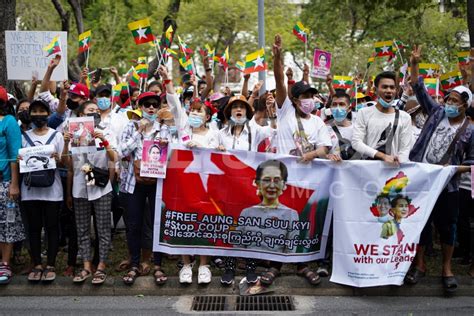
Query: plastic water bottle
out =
(11, 211)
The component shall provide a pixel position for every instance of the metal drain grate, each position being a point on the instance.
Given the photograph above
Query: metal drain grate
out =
(264, 303)
(208, 303)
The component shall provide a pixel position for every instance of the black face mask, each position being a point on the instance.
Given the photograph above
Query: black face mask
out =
(72, 105)
(24, 117)
(96, 117)
(39, 120)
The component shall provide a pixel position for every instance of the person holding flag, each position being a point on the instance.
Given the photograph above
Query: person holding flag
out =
(447, 138)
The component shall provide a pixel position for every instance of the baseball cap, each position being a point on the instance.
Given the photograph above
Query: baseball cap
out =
(463, 89)
(3, 94)
(105, 88)
(148, 95)
(80, 90)
(302, 87)
(39, 103)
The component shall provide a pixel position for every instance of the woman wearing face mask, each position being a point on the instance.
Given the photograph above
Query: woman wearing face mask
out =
(85, 197)
(340, 128)
(193, 132)
(136, 189)
(22, 114)
(42, 204)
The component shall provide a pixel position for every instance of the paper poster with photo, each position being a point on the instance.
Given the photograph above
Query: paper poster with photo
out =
(321, 64)
(37, 158)
(82, 135)
(25, 55)
(154, 159)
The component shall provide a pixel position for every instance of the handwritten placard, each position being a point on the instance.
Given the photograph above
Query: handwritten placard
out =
(26, 57)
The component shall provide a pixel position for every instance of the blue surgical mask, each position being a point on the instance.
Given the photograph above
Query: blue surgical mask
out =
(240, 121)
(149, 117)
(451, 110)
(173, 129)
(359, 106)
(339, 114)
(103, 103)
(195, 121)
(317, 105)
(384, 103)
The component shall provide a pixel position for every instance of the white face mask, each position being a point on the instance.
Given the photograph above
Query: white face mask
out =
(240, 121)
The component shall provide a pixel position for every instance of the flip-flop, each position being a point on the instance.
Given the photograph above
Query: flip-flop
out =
(51, 271)
(414, 275)
(450, 284)
(35, 275)
(160, 277)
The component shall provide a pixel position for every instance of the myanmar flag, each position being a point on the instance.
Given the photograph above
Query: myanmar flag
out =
(142, 70)
(53, 47)
(450, 80)
(342, 82)
(240, 66)
(301, 32)
(403, 72)
(430, 85)
(184, 48)
(224, 59)
(255, 62)
(187, 64)
(141, 60)
(463, 58)
(168, 37)
(428, 70)
(371, 60)
(171, 53)
(383, 48)
(84, 41)
(117, 90)
(134, 78)
(141, 31)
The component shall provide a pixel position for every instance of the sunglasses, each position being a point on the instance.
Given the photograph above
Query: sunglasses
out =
(153, 104)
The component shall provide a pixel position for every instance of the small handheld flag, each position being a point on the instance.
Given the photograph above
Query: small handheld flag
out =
(450, 80)
(255, 62)
(141, 31)
(84, 41)
(301, 32)
(53, 47)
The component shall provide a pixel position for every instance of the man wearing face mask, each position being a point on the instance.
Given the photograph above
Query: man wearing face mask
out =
(447, 138)
(383, 132)
(341, 128)
(299, 132)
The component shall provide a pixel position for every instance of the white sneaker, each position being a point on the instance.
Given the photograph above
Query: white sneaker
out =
(204, 275)
(186, 274)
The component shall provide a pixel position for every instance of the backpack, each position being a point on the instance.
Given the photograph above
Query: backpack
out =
(41, 178)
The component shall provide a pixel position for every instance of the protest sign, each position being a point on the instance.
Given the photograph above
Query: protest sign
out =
(379, 214)
(154, 159)
(36, 158)
(321, 64)
(82, 130)
(243, 204)
(26, 57)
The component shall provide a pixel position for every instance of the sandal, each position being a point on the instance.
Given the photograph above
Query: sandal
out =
(123, 266)
(83, 275)
(49, 274)
(269, 276)
(5, 274)
(99, 277)
(450, 283)
(414, 275)
(160, 276)
(131, 276)
(310, 276)
(35, 275)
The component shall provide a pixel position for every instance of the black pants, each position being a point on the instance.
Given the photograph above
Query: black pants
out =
(39, 212)
(466, 215)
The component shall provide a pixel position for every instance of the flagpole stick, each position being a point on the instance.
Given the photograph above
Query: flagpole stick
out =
(437, 87)
(87, 59)
(398, 51)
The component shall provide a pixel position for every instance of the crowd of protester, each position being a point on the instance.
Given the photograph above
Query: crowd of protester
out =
(385, 120)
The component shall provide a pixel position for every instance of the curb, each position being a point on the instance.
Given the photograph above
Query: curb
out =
(284, 285)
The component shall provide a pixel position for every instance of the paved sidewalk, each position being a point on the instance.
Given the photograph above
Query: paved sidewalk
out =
(285, 285)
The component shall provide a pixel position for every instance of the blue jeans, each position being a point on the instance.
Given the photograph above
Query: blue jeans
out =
(136, 220)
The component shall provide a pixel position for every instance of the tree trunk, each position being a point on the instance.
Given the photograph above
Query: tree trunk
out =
(7, 22)
(470, 21)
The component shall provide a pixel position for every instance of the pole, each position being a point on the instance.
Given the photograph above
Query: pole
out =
(261, 41)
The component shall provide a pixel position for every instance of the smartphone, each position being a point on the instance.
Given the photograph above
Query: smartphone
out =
(97, 75)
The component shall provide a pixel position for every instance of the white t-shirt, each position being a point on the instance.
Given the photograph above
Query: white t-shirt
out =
(372, 129)
(79, 187)
(439, 141)
(314, 128)
(257, 134)
(54, 192)
(346, 132)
